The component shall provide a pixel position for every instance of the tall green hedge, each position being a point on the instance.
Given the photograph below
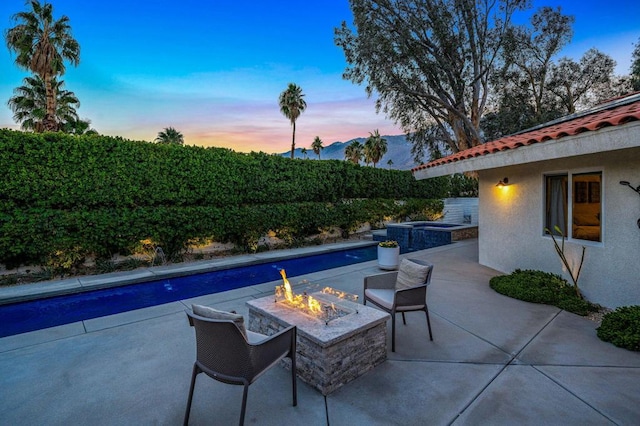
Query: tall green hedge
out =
(64, 195)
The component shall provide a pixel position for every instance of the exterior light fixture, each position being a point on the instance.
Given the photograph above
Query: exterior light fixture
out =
(625, 183)
(504, 182)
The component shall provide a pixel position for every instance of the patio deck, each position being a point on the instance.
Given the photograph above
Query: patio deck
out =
(493, 360)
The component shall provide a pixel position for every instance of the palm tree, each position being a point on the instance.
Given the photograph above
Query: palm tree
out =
(317, 146)
(42, 45)
(170, 136)
(78, 127)
(374, 148)
(353, 152)
(29, 104)
(292, 105)
(303, 151)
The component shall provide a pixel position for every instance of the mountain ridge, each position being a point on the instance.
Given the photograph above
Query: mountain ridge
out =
(398, 152)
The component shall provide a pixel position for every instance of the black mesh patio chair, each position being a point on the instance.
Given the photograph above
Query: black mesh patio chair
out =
(400, 291)
(225, 354)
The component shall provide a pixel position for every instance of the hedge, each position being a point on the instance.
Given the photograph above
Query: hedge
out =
(65, 195)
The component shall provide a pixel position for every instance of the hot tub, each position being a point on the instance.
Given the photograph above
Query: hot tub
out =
(422, 235)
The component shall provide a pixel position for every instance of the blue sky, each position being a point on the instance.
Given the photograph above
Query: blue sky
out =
(213, 69)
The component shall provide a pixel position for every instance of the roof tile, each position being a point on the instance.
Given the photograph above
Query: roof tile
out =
(615, 116)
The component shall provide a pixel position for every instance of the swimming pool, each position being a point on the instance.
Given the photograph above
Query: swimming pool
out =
(33, 315)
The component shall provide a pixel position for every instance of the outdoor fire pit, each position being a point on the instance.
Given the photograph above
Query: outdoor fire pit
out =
(338, 339)
(321, 305)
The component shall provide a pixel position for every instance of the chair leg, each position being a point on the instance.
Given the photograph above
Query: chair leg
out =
(393, 332)
(426, 310)
(244, 403)
(404, 320)
(294, 382)
(195, 373)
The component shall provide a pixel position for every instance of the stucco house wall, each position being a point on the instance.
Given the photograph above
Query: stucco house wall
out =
(604, 139)
(511, 223)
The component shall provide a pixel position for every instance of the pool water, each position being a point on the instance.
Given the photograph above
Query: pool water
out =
(437, 225)
(37, 314)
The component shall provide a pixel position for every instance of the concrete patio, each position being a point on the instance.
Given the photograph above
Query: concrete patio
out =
(493, 360)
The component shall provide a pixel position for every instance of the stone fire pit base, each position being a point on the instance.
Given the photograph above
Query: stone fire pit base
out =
(328, 355)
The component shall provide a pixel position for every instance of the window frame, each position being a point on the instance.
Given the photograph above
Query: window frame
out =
(569, 173)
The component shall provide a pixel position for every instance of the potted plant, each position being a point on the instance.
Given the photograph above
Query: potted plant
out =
(388, 255)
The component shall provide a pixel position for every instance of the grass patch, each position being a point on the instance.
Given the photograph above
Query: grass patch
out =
(542, 287)
(622, 327)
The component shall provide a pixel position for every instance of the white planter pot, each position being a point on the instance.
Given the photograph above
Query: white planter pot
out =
(388, 258)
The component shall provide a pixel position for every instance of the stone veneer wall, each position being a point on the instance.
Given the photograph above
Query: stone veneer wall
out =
(464, 234)
(328, 367)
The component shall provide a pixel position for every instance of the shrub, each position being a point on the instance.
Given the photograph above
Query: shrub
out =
(541, 287)
(622, 327)
(68, 197)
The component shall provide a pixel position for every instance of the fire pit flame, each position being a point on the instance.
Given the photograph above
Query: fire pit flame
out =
(310, 305)
(340, 294)
(288, 293)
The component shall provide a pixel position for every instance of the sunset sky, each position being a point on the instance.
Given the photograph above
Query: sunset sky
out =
(213, 69)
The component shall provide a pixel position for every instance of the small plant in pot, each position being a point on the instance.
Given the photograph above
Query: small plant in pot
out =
(388, 255)
(389, 244)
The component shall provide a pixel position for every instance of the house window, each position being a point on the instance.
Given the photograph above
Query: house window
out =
(585, 209)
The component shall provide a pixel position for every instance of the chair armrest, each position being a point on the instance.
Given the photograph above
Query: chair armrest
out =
(385, 280)
(412, 296)
(275, 347)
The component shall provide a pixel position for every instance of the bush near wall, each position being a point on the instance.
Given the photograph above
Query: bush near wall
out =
(622, 327)
(64, 197)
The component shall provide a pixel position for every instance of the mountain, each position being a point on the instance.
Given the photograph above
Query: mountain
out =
(398, 151)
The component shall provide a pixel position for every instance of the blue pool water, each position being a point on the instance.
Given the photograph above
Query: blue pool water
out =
(34, 315)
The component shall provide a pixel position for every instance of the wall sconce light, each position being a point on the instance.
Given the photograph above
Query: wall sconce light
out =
(504, 182)
(625, 183)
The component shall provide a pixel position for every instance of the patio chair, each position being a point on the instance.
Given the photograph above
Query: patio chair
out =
(400, 291)
(228, 353)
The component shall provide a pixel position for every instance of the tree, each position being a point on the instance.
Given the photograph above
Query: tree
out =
(317, 146)
(42, 45)
(532, 88)
(571, 82)
(78, 127)
(303, 151)
(292, 104)
(29, 104)
(170, 136)
(374, 148)
(429, 61)
(521, 96)
(529, 52)
(353, 152)
(635, 67)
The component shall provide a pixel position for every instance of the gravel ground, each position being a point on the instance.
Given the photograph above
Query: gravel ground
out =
(597, 316)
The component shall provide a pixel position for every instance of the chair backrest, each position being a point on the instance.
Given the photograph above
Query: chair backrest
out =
(413, 273)
(221, 348)
(415, 295)
(427, 280)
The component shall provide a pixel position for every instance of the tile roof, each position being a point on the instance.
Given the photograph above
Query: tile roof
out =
(607, 115)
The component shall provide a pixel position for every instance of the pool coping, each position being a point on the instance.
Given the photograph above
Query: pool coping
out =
(45, 289)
